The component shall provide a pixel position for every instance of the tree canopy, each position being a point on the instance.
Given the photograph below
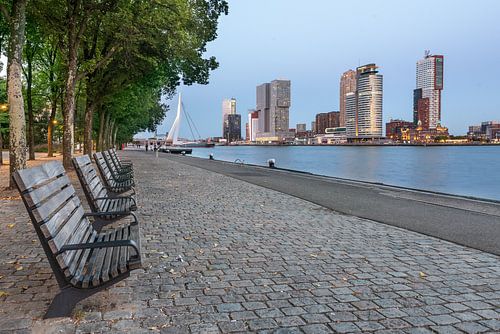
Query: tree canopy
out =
(96, 70)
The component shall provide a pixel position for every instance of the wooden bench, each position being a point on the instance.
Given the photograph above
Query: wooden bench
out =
(109, 180)
(83, 260)
(119, 163)
(98, 196)
(117, 173)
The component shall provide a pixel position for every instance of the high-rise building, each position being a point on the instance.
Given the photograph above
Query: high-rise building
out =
(228, 108)
(234, 128)
(253, 124)
(364, 105)
(301, 127)
(313, 127)
(327, 120)
(231, 125)
(273, 107)
(262, 106)
(347, 85)
(427, 95)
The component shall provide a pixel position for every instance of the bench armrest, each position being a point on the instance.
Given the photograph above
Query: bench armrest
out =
(117, 213)
(103, 244)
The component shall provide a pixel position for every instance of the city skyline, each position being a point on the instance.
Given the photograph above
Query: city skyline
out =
(314, 55)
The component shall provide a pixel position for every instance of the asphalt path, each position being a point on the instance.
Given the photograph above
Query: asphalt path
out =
(469, 222)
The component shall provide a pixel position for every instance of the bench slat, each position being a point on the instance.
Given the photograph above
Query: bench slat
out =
(124, 252)
(98, 265)
(53, 204)
(105, 275)
(50, 228)
(29, 178)
(67, 232)
(82, 268)
(116, 255)
(40, 194)
(91, 263)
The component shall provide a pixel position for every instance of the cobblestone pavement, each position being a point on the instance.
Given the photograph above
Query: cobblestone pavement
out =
(222, 255)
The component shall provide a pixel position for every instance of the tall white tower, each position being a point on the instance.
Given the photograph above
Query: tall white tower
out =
(427, 95)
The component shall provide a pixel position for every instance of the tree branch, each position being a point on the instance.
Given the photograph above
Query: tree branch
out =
(5, 13)
(100, 63)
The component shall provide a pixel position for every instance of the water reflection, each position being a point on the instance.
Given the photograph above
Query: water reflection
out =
(464, 170)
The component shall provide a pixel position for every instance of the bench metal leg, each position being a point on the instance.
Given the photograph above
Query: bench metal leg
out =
(65, 301)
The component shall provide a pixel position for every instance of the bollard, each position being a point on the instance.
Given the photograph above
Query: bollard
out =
(271, 163)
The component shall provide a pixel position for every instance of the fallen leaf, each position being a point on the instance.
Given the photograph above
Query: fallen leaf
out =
(187, 237)
(422, 274)
(313, 255)
(3, 294)
(19, 268)
(11, 225)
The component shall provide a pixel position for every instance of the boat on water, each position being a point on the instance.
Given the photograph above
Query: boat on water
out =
(176, 150)
(176, 146)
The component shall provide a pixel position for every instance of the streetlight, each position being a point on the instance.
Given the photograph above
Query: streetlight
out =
(4, 107)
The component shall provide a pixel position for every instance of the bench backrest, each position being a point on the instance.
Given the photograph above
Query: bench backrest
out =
(111, 164)
(103, 169)
(57, 215)
(90, 180)
(115, 157)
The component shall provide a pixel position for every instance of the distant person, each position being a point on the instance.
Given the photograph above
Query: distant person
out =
(147, 146)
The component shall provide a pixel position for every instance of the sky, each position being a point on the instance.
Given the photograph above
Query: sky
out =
(312, 43)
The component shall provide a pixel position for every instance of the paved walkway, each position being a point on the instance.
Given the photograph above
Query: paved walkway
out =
(223, 255)
(468, 222)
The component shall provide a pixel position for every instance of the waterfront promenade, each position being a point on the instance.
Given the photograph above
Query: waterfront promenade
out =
(225, 255)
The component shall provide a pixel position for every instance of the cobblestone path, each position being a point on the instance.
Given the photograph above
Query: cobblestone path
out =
(222, 255)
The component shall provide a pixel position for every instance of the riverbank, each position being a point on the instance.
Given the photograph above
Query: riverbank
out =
(370, 144)
(224, 255)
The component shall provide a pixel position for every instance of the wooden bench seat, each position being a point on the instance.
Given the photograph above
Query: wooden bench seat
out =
(83, 260)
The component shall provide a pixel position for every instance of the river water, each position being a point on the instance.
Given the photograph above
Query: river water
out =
(462, 170)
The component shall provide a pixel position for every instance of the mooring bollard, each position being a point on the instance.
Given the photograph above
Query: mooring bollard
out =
(271, 163)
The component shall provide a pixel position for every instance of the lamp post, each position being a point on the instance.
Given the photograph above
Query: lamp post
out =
(4, 107)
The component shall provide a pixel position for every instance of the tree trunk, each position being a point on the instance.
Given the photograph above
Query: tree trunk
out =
(110, 134)
(1, 146)
(87, 131)
(29, 97)
(53, 103)
(100, 145)
(114, 136)
(17, 127)
(70, 85)
(89, 117)
(50, 128)
(69, 110)
(106, 132)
